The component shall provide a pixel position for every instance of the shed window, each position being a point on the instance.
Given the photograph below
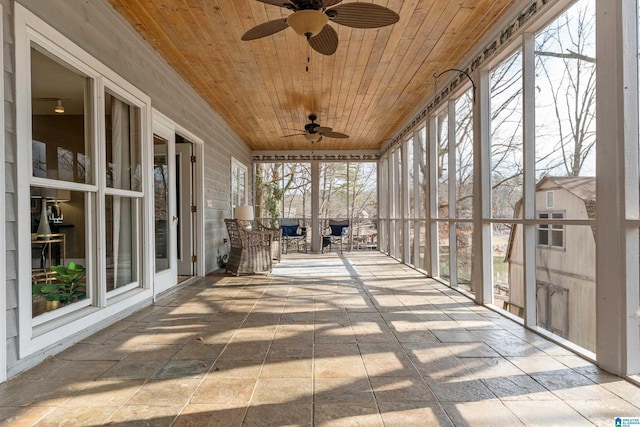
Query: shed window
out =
(551, 235)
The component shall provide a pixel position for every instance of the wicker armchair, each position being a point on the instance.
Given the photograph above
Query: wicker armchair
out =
(250, 250)
(276, 238)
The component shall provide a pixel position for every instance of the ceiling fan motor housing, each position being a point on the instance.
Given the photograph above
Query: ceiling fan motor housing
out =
(310, 127)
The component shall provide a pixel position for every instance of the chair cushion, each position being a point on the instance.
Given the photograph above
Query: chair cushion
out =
(336, 230)
(289, 230)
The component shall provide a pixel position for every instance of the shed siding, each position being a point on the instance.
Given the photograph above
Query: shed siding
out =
(571, 268)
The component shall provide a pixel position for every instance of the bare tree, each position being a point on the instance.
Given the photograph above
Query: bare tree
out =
(297, 189)
(565, 67)
(565, 113)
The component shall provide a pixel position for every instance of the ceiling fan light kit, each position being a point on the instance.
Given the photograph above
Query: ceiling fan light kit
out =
(313, 137)
(307, 23)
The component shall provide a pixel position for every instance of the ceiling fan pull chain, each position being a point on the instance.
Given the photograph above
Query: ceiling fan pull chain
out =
(308, 58)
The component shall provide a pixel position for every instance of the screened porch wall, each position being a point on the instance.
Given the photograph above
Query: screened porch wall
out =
(347, 192)
(511, 213)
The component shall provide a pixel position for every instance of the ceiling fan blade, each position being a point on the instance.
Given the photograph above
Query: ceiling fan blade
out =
(282, 3)
(362, 15)
(335, 135)
(329, 3)
(325, 42)
(265, 29)
(293, 134)
(323, 130)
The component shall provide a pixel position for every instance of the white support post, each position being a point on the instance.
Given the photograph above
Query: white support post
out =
(393, 194)
(482, 262)
(617, 276)
(431, 259)
(3, 247)
(316, 239)
(453, 211)
(404, 211)
(379, 186)
(417, 142)
(529, 179)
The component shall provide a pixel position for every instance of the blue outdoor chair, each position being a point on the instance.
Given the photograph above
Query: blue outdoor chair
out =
(292, 230)
(339, 232)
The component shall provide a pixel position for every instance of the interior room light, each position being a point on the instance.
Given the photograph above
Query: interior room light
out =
(307, 23)
(59, 108)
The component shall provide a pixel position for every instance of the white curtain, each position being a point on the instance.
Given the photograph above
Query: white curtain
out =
(124, 155)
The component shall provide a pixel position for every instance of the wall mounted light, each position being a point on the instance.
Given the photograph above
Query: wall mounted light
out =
(59, 107)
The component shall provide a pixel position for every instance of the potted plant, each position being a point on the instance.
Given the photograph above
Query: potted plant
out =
(222, 260)
(66, 287)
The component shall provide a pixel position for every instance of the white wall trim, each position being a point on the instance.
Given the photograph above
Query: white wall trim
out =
(3, 247)
(320, 155)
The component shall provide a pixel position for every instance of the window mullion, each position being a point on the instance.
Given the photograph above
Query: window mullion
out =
(529, 185)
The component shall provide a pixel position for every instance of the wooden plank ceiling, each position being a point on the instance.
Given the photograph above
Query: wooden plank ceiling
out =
(372, 84)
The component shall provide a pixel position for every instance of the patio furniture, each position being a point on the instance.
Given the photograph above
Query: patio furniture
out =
(276, 238)
(292, 230)
(338, 232)
(250, 250)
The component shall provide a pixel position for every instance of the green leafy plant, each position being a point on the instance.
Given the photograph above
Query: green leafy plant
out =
(66, 286)
(222, 260)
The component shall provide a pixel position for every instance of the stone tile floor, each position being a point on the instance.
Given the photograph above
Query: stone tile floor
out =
(358, 340)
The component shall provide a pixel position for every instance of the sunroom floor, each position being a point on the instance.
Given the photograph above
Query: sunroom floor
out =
(326, 339)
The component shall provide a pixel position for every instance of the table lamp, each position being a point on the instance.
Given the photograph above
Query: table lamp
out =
(244, 213)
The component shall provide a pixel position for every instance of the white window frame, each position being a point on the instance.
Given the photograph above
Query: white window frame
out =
(549, 199)
(116, 90)
(198, 197)
(550, 228)
(64, 323)
(235, 163)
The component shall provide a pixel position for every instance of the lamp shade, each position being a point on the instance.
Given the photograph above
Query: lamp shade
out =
(307, 23)
(63, 195)
(243, 212)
